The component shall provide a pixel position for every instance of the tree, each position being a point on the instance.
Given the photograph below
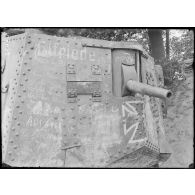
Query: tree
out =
(167, 45)
(156, 44)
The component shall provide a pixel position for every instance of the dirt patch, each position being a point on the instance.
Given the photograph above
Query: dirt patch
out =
(179, 125)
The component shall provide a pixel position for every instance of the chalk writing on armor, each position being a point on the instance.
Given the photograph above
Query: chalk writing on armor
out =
(45, 49)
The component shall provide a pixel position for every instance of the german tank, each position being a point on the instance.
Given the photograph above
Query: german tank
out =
(79, 102)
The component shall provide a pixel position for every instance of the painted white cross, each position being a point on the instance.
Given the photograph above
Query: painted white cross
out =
(131, 110)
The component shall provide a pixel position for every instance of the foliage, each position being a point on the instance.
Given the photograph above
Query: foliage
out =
(182, 47)
(169, 69)
(142, 38)
(111, 34)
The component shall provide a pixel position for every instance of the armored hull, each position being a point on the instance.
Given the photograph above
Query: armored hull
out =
(65, 104)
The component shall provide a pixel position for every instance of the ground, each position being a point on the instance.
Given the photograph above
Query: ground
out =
(179, 125)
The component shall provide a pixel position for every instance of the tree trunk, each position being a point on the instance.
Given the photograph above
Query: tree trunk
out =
(167, 45)
(156, 43)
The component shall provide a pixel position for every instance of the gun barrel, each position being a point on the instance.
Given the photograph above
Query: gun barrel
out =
(145, 89)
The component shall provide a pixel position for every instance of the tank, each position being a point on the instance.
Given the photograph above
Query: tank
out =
(79, 102)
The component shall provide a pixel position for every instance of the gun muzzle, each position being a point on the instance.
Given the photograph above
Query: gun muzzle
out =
(145, 89)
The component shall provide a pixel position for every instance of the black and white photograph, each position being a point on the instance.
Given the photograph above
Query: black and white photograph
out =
(97, 97)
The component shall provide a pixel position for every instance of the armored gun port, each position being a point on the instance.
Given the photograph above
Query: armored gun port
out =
(145, 89)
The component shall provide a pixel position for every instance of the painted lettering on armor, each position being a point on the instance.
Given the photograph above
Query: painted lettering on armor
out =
(44, 49)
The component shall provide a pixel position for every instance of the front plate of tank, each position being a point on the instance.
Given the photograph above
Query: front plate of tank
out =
(65, 113)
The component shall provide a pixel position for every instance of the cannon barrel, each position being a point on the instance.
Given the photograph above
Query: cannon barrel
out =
(145, 89)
